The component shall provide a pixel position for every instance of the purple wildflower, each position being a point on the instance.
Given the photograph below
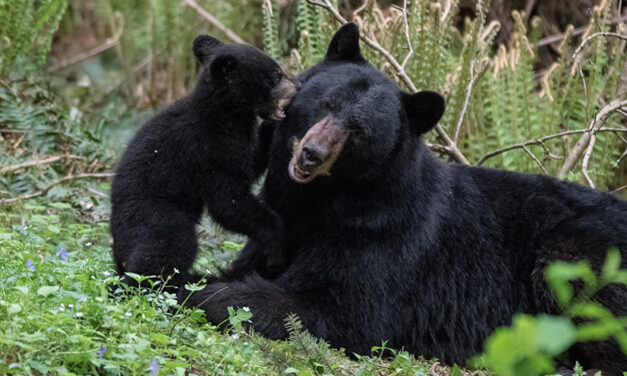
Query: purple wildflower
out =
(102, 351)
(154, 367)
(63, 254)
(30, 265)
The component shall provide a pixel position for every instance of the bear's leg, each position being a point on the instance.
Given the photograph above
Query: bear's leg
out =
(237, 210)
(268, 302)
(583, 239)
(166, 247)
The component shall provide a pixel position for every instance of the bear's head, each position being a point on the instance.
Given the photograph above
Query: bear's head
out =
(356, 119)
(252, 77)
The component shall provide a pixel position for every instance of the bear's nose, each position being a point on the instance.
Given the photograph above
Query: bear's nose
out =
(310, 157)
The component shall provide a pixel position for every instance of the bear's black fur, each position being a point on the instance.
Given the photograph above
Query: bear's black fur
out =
(199, 153)
(386, 242)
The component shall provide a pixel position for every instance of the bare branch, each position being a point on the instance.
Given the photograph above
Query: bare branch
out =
(39, 162)
(411, 48)
(586, 159)
(594, 126)
(580, 30)
(526, 149)
(452, 148)
(472, 78)
(599, 34)
(214, 21)
(55, 183)
(109, 43)
(540, 141)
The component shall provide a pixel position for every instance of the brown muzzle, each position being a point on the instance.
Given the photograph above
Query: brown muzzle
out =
(317, 151)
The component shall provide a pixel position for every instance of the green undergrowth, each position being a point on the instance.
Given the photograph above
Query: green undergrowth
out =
(56, 317)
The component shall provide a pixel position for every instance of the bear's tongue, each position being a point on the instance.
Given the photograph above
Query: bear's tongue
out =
(279, 113)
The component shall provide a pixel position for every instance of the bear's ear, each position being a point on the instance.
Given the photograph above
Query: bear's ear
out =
(204, 46)
(345, 45)
(222, 66)
(424, 110)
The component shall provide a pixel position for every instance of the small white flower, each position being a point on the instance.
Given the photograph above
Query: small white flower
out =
(245, 364)
(150, 299)
(235, 336)
(82, 300)
(143, 316)
(160, 296)
(88, 244)
(92, 277)
(176, 271)
(246, 309)
(106, 274)
(62, 307)
(79, 314)
(128, 314)
(70, 305)
(144, 290)
(245, 344)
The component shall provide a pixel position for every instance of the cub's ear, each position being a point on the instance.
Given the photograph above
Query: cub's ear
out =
(424, 110)
(222, 66)
(345, 45)
(204, 46)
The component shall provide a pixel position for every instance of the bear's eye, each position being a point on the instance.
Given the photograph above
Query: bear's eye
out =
(355, 128)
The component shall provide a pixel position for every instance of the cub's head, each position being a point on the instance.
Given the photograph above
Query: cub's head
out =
(352, 119)
(247, 73)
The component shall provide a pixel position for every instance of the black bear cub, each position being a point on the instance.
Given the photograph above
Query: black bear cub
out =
(197, 153)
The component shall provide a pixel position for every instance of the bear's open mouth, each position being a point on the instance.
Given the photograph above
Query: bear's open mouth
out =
(298, 175)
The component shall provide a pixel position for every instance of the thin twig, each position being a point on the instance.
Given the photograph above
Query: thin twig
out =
(586, 159)
(540, 141)
(580, 30)
(526, 149)
(621, 157)
(594, 126)
(599, 34)
(55, 183)
(472, 76)
(110, 43)
(214, 21)
(466, 100)
(453, 150)
(619, 189)
(409, 44)
(39, 162)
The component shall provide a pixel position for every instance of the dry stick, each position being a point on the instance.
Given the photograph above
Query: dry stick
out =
(409, 44)
(472, 78)
(580, 30)
(526, 149)
(110, 43)
(594, 126)
(540, 141)
(214, 21)
(451, 147)
(38, 162)
(586, 159)
(54, 183)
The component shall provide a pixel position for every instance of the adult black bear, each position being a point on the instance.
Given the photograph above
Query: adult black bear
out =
(386, 242)
(197, 153)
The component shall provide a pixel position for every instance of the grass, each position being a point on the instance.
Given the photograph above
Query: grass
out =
(56, 316)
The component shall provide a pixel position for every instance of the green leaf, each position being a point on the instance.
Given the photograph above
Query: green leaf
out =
(61, 205)
(47, 290)
(611, 265)
(53, 228)
(455, 371)
(555, 334)
(14, 308)
(22, 289)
